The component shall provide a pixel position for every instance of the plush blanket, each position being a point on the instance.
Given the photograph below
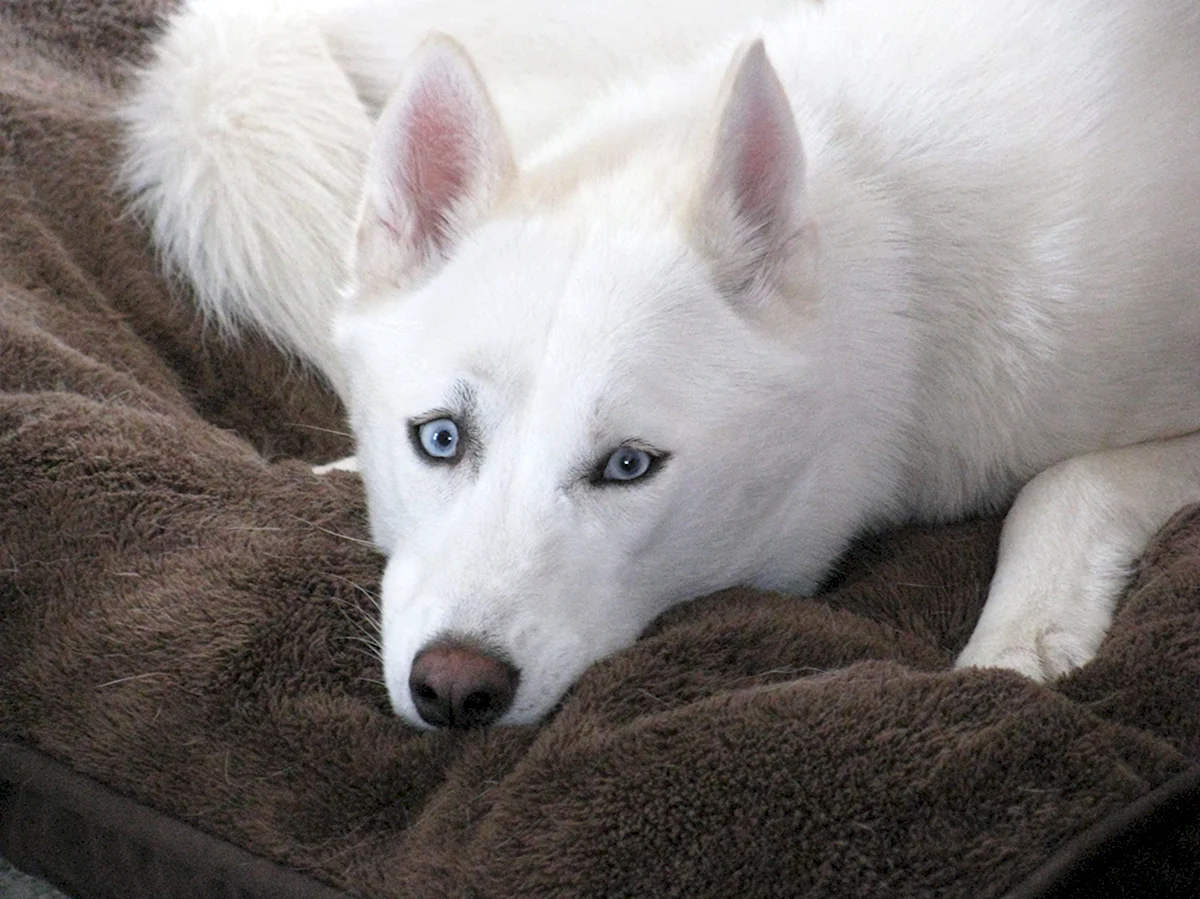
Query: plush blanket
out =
(187, 632)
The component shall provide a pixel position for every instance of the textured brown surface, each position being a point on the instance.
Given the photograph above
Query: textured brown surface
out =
(185, 616)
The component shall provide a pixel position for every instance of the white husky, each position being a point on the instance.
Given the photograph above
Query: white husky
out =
(908, 259)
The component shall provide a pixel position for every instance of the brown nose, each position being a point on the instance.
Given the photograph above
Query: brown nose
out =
(455, 684)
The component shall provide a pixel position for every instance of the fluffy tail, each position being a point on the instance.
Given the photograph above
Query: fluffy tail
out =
(244, 147)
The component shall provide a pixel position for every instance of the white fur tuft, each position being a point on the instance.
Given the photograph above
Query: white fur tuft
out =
(245, 145)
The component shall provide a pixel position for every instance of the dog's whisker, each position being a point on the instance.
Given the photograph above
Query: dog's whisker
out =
(366, 626)
(333, 533)
(370, 594)
(307, 427)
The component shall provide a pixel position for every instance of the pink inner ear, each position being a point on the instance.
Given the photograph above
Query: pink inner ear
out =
(761, 156)
(761, 162)
(436, 163)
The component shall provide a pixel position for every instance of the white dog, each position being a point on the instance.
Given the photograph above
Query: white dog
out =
(906, 260)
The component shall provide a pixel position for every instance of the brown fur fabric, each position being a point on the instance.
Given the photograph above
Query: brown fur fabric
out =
(186, 616)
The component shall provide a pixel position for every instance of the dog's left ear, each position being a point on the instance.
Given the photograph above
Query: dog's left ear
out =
(751, 214)
(439, 158)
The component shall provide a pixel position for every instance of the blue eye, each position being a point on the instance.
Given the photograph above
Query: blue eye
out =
(439, 439)
(627, 463)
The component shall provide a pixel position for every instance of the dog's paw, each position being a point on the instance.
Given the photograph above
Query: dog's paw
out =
(1065, 557)
(1068, 546)
(350, 463)
(1040, 647)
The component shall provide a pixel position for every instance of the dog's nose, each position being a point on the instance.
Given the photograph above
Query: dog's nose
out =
(454, 684)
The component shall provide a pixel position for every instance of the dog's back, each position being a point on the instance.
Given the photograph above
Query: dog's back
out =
(1044, 161)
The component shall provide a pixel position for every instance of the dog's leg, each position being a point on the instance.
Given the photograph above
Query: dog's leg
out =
(350, 463)
(1067, 549)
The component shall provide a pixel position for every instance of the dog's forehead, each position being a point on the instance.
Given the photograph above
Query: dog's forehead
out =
(576, 266)
(550, 294)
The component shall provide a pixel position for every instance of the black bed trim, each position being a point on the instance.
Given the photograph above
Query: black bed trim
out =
(1149, 848)
(95, 843)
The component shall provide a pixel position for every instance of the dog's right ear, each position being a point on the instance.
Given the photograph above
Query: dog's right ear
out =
(439, 158)
(752, 218)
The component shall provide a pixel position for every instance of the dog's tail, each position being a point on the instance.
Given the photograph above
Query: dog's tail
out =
(244, 143)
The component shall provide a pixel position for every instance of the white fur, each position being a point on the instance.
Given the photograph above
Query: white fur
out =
(913, 256)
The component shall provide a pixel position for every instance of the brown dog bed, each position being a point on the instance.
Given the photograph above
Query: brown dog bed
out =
(190, 701)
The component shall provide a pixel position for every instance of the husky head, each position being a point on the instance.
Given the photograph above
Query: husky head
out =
(581, 399)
